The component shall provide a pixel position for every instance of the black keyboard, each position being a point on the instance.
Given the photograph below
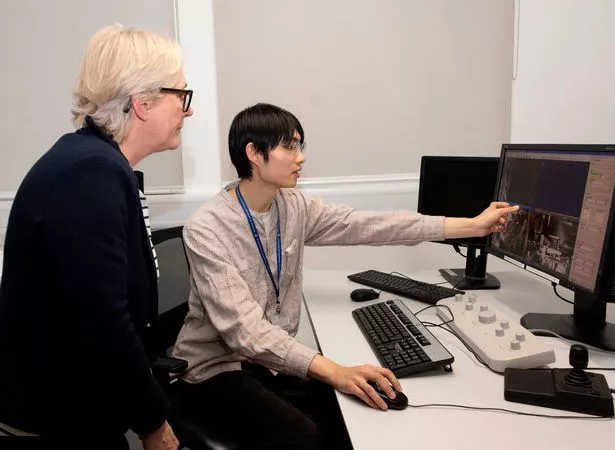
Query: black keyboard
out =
(406, 287)
(399, 340)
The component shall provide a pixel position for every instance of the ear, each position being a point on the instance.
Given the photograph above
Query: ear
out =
(253, 155)
(141, 105)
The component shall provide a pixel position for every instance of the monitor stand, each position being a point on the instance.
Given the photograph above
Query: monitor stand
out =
(475, 275)
(587, 324)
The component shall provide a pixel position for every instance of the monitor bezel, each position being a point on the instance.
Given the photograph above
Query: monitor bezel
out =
(550, 275)
(478, 242)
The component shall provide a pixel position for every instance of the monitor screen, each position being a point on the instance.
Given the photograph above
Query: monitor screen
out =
(565, 199)
(563, 230)
(461, 186)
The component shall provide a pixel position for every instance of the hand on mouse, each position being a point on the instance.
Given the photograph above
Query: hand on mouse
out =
(354, 380)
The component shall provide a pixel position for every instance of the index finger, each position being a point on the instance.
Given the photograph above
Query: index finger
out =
(499, 204)
(508, 209)
(392, 379)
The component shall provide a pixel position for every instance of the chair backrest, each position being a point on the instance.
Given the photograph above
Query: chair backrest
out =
(173, 285)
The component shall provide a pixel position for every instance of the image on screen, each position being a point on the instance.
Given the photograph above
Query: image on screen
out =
(560, 226)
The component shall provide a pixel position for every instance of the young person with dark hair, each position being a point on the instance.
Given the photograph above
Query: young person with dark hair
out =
(245, 246)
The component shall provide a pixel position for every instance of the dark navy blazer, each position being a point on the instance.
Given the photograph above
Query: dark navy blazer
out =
(78, 296)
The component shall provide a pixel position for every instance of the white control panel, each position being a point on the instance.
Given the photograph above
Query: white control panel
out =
(499, 340)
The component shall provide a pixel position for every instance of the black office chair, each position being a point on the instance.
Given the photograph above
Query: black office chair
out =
(173, 290)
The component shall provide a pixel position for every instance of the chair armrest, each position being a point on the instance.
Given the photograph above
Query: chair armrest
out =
(167, 365)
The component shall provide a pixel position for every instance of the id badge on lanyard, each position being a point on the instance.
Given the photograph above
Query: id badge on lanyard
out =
(261, 251)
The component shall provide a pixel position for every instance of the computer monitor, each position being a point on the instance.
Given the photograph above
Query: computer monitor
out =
(461, 186)
(563, 231)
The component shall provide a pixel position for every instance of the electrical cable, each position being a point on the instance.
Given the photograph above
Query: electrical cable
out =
(458, 250)
(504, 410)
(441, 325)
(550, 333)
(554, 284)
(491, 409)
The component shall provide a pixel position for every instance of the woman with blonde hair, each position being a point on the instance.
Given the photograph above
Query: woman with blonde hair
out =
(79, 288)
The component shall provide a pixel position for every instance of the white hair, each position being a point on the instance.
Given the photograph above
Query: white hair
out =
(118, 63)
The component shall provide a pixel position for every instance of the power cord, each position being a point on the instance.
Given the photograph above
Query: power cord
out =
(554, 284)
(458, 250)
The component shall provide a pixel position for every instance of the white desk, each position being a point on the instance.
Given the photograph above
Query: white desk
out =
(329, 306)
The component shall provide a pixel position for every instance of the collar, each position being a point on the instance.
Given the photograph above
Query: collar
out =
(92, 127)
(234, 204)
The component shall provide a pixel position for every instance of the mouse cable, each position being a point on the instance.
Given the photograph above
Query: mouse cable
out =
(477, 408)
(509, 411)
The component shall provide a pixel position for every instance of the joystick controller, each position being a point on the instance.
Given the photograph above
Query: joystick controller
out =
(577, 375)
(569, 389)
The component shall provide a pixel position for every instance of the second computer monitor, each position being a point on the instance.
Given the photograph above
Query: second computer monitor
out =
(461, 186)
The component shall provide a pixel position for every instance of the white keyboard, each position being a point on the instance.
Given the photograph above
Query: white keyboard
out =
(499, 340)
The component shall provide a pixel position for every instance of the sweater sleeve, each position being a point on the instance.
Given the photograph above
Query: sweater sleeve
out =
(86, 226)
(336, 224)
(235, 314)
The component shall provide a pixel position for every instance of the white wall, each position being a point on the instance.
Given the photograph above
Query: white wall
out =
(376, 84)
(41, 43)
(201, 161)
(545, 63)
(200, 146)
(565, 86)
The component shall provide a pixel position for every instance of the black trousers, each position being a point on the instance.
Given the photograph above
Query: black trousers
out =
(94, 442)
(260, 410)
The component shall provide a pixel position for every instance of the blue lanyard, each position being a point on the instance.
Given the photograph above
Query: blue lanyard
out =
(261, 250)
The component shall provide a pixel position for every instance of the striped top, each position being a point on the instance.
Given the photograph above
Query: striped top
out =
(149, 230)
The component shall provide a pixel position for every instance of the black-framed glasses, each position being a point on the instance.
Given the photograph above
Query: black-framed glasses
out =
(184, 94)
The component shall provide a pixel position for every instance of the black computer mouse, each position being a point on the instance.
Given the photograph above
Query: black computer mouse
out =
(399, 402)
(363, 295)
